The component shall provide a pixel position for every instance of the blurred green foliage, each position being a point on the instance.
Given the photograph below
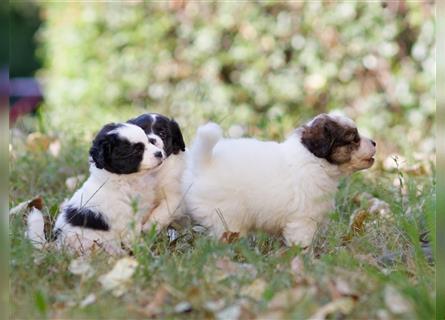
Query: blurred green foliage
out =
(261, 65)
(24, 21)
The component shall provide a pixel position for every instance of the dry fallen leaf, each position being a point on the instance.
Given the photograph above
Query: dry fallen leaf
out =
(227, 267)
(231, 312)
(89, 299)
(287, 298)
(37, 141)
(81, 267)
(340, 288)
(214, 306)
(229, 237)
(119, 277)
(374, 205)
(160, 298)
(357, 225)
(199, 229)
(395, 302)
(255, 290)
(182, 307)
(343, 305)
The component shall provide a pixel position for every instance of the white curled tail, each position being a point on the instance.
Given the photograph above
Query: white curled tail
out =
(201, 152)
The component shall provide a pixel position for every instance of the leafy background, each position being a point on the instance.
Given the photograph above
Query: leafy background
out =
(259, 69)
(258, 65)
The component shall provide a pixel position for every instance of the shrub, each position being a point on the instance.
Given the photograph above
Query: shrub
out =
(269, 64)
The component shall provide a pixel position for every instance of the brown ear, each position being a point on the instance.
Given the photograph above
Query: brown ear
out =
(319, 137)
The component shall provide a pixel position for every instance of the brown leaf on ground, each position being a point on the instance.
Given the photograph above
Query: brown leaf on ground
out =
(227, 267)
(255, 290)
(161, 297)
(239, 310)
(229, 237)
(358, 219)
(288, 298)
(373, 207)
(340, 288)
(357, 224)
(37, 142)
(342, 305)
(118, 279)
(395, 302)
(82, 267)
(90, 299)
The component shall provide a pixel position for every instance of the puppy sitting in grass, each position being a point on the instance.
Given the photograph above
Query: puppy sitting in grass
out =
(107, 211)
(239, 185)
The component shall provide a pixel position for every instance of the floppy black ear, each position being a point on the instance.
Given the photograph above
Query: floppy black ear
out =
(319, 137)
(177, 139)
(100, 151)
(101, 147)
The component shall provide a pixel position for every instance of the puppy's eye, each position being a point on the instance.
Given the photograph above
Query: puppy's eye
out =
(152, 141)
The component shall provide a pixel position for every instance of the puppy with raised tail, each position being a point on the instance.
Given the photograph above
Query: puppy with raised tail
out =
(285, 188)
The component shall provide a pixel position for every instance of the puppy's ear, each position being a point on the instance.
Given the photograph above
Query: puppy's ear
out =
(99, 151)
(319, 136)
(101, 148)
(177, 139)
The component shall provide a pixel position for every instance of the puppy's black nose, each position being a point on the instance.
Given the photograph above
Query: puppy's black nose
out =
(158, 154)
(373, 143)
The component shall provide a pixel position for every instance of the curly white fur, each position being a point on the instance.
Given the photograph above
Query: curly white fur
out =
(246, 184)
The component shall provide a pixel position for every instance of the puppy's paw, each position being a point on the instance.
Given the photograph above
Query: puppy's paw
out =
(210, 132)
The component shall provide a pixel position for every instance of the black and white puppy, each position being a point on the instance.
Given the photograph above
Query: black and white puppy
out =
(165, 134)
(108, 209)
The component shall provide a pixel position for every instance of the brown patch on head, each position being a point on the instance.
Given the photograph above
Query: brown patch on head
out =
(328, 139)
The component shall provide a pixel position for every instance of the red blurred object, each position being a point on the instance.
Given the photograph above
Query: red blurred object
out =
(25, 97)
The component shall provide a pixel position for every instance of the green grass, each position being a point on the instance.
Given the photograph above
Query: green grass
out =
(387, 253)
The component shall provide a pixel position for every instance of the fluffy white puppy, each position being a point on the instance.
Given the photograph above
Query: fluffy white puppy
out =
(108, 209)
(166, 135)
(240, 185)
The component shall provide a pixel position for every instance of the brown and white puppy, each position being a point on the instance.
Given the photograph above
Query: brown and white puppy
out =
(240, 185)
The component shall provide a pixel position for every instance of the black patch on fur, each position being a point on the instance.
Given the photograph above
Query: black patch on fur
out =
(329, 140)
(167, 129)
(85, 218)
(114, 153)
